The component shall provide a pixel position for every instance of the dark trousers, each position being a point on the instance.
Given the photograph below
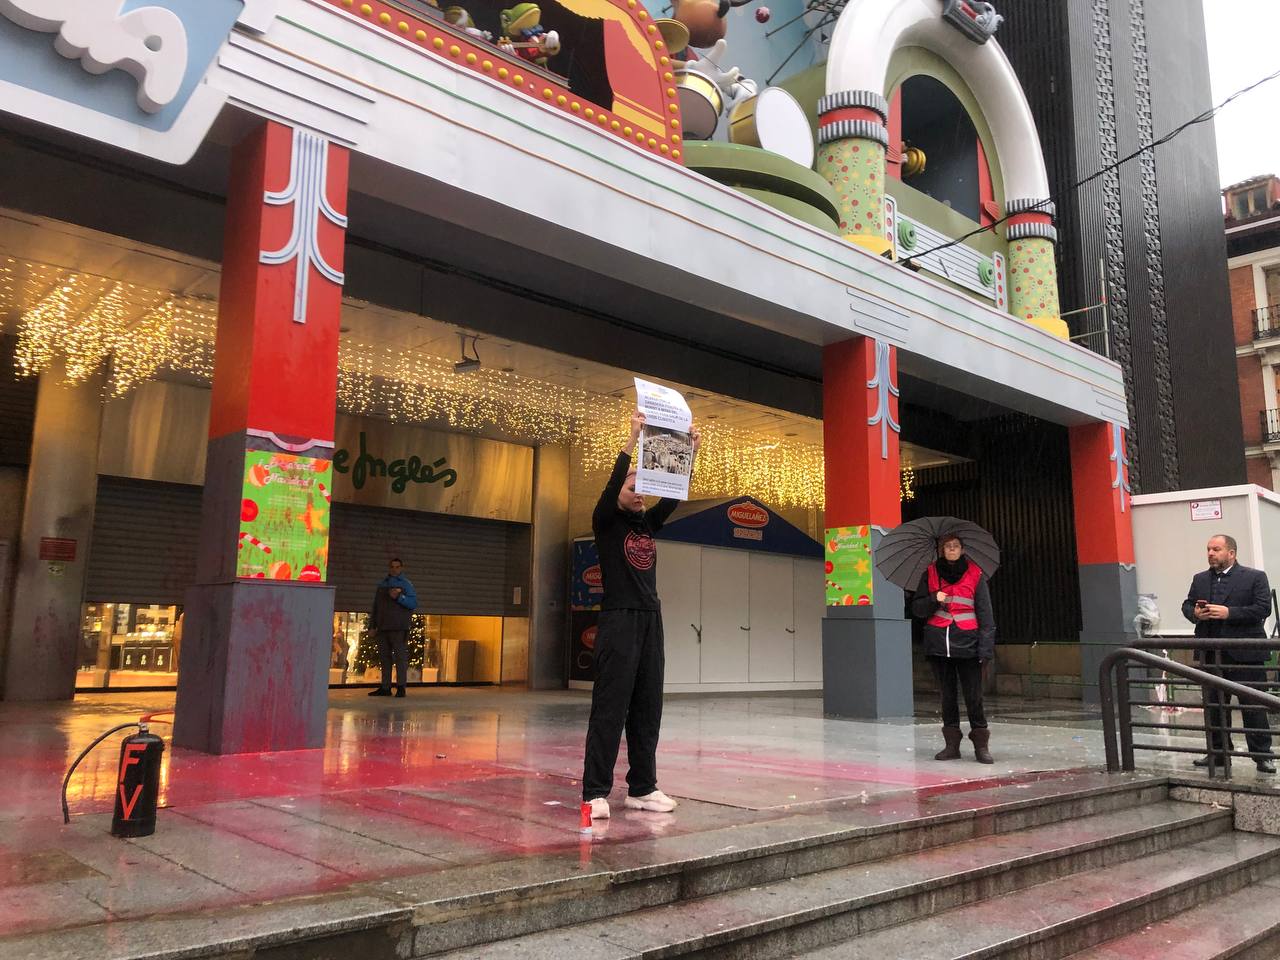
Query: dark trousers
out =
(965, 672)
(394, 644)
(627, 694)
(1218, 709)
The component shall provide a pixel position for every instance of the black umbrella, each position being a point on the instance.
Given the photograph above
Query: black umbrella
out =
(905, 552)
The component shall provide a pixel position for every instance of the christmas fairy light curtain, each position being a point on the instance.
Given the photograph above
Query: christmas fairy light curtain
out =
(139, 333)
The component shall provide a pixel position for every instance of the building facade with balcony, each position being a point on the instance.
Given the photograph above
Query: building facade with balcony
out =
(294, 286)
(1251, 212)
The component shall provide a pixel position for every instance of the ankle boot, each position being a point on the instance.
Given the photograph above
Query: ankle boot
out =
(951, 751)
(981, 736)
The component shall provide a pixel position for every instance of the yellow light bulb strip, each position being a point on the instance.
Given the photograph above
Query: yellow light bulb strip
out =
(142, 332)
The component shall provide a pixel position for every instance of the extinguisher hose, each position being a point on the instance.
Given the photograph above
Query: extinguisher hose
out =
(66, 811)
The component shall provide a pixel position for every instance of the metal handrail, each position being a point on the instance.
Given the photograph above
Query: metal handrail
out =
(1110, 679)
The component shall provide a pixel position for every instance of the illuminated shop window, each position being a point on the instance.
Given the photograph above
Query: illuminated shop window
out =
(442, 649)
(129, 645)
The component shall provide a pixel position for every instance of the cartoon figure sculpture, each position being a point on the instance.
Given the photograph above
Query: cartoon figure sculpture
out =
(707, 90)
(976, 19)
(705, 19)
(524, 35)
(769, 119)
(461, 19)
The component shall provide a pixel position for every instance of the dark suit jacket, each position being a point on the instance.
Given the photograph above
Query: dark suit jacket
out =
(1248, 601)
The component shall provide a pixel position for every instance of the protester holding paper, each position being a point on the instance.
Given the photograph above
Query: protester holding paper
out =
(629, 654)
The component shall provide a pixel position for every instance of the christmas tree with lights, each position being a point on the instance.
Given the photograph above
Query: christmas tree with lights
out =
(367, 654)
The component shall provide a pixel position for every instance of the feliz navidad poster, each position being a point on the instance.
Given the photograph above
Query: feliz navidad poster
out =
(848, 566)
(284, 517)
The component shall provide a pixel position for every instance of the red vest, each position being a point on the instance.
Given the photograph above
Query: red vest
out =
(957, 610)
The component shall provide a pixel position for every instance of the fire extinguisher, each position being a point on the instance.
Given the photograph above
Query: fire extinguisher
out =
(137, 782)
(138, 785)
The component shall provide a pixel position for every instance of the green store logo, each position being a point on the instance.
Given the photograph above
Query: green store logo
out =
(402, 472)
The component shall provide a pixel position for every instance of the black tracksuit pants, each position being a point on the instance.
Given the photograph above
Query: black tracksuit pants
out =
(966, 673)
(627, 694)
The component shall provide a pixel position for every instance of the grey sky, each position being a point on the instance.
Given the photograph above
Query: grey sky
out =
(1242, 49)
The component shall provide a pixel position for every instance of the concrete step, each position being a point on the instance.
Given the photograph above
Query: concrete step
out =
(468, 905)
(1052, 920)
(776, 919)
(1244, 925)
(654, 873)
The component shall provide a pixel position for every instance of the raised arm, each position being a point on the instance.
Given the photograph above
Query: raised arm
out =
(608, 501)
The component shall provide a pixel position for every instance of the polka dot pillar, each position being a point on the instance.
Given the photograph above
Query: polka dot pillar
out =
(855, 168)
(1033, 284)
(852, 137)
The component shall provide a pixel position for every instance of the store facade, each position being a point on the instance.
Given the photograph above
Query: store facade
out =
(454, 508)
(328, 156)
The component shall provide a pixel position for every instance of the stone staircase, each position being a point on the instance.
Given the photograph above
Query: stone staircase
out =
(1087, 870)
(1078, 865)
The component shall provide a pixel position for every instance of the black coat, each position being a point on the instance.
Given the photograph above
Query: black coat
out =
(1248, 601)
(949, 642)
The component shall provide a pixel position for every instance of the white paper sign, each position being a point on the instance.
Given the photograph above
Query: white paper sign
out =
(664, 457)
(1206, 509)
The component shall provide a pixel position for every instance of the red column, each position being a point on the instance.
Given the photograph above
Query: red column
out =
(281, 296)
(258, 621)
(866, 645)
(1104, 546)
(860, 433)
(1100, 489)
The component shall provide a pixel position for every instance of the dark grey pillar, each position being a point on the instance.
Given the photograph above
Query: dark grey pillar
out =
(866, 657)
(61, 490)
(1108, 603)
(255, 653)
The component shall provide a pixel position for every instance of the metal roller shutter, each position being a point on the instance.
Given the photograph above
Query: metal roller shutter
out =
(144, 551)
(458, 565)
(144, 542)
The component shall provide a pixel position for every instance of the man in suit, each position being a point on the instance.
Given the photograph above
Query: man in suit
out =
(1230, 600)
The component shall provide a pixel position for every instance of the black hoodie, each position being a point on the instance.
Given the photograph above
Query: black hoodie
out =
(628, 557)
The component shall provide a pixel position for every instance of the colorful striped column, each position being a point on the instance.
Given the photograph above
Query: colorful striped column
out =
(1033, 272)
(852, 140)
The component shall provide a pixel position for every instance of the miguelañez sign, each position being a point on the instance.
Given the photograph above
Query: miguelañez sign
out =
(126, 72)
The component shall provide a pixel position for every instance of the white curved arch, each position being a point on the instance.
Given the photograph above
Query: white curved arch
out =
(869, 31)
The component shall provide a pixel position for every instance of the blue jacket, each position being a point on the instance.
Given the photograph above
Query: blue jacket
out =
(397, 613)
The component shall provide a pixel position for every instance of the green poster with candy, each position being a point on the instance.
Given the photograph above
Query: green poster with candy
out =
(284, 517)
(848, 552)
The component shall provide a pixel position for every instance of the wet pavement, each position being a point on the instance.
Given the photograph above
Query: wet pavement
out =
(450, 778)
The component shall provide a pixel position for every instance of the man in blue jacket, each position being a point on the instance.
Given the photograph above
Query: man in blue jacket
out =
(392, 617)
(1230, 600)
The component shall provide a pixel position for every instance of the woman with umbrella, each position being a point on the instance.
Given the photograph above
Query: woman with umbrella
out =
(959, 640)
(947, 561)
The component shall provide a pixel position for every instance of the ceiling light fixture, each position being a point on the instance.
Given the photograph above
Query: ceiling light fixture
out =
(468, 364)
